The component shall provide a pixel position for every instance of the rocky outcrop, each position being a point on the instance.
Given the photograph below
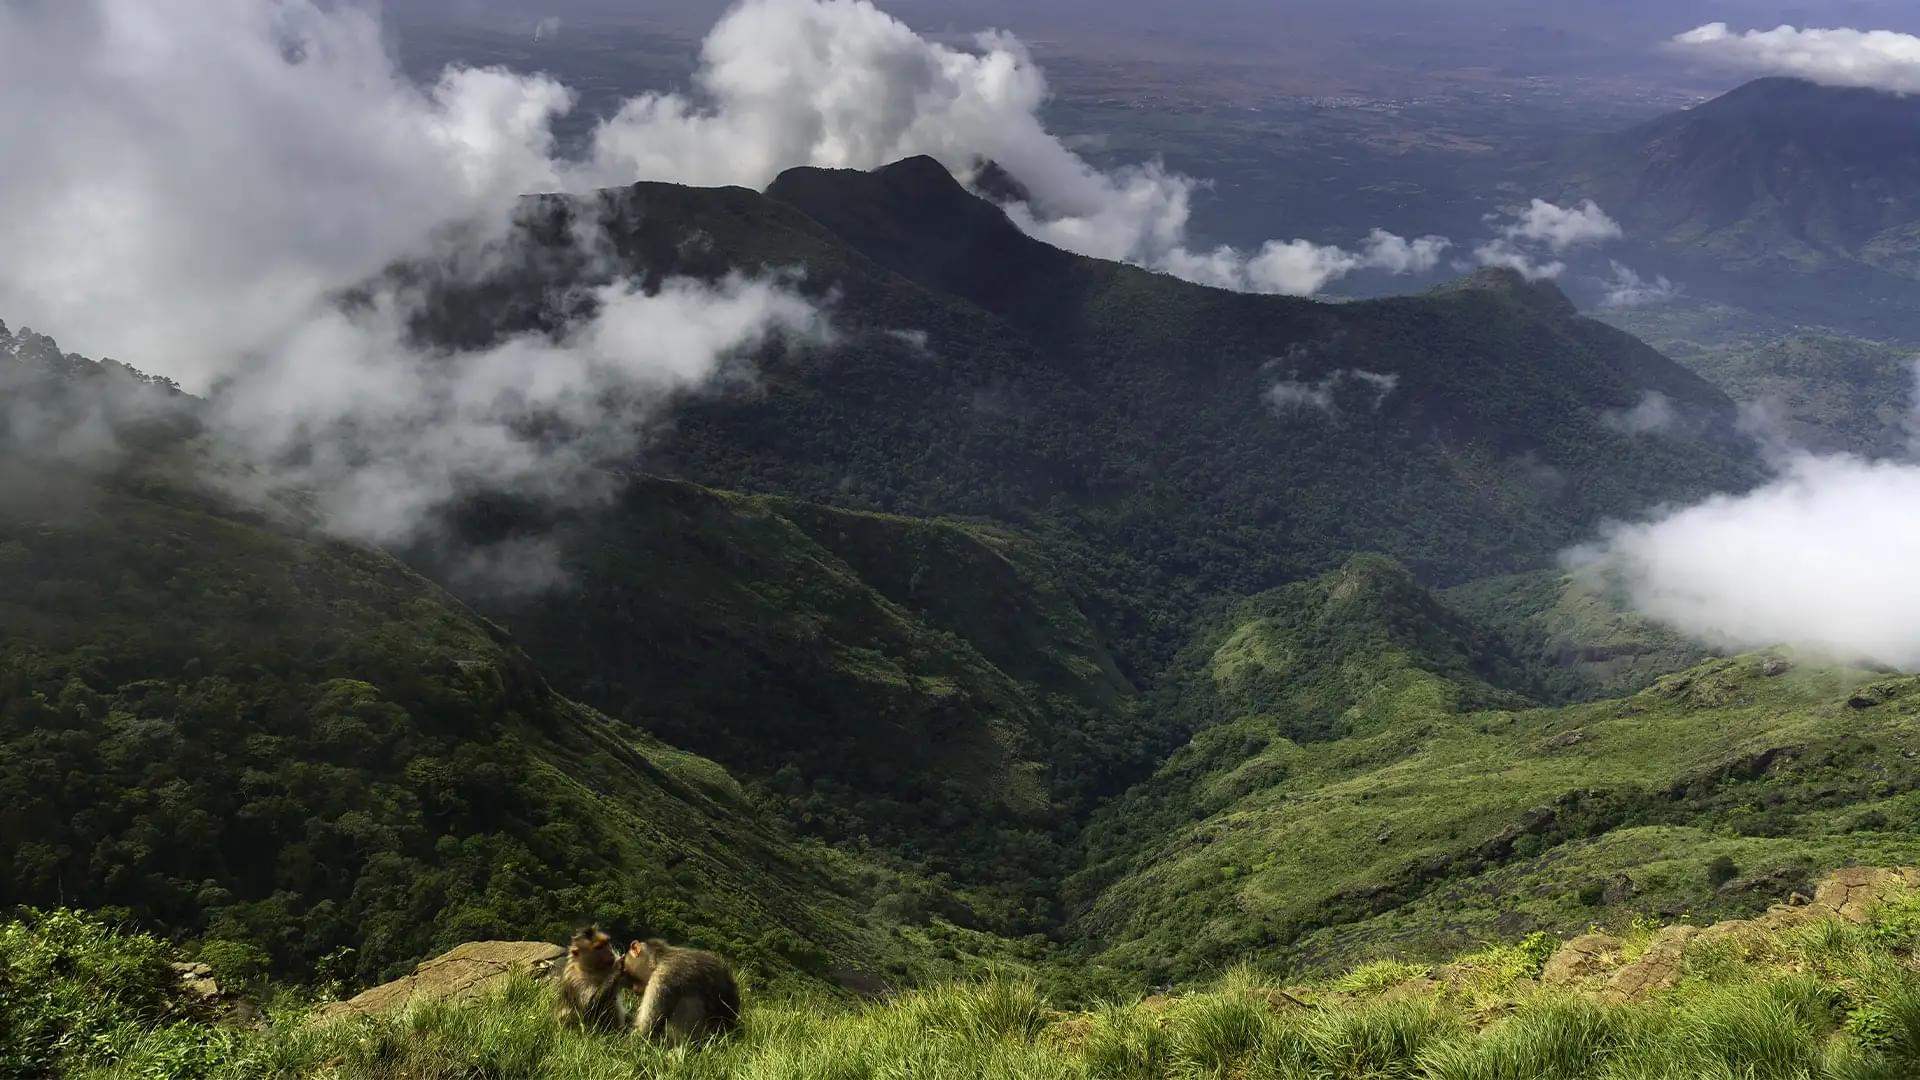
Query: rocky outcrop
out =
(1582, 959)
(198, 984)
(467, 970)
(1597, 964)
(1659, 967)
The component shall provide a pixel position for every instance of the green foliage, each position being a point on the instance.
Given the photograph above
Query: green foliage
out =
(929, 690)
(1721, 870)
(1757, 1019)
(287, 747)
(1448, 812)
(71, 986)
(1371, 978)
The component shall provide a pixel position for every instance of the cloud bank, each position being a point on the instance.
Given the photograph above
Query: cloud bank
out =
(1291, 394)
(1878, 59)
(192, 187)
(1826, 555)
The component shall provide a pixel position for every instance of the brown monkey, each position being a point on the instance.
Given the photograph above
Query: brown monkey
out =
(590, 985)
(685, 994)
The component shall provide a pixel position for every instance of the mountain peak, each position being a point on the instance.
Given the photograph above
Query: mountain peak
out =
(1541, 294)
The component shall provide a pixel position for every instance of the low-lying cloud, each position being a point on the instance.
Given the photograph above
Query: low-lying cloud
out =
(1653, 413)
(1529, 239)
(1841, 56)
(1826, 555)
(193, 187)
(1624, 287)
(1320, 395)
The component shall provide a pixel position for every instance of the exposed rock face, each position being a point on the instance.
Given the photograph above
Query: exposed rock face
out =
(466, 970)
(197, 982)
(1597, 964)
(1581, 959)
(1657, 968)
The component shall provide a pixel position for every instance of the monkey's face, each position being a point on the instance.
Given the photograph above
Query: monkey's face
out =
(593, 949)
(638, 963)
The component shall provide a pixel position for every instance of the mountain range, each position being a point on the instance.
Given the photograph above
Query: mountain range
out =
(1053, 611)
(1792, 199)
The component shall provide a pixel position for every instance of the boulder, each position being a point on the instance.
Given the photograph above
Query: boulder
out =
(1854, 891)
(1658, 968)
(1582, 959)
(466, 970)
(198, 983)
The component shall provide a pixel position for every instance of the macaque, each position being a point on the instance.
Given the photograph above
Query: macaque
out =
(590, 986)
(685, 994)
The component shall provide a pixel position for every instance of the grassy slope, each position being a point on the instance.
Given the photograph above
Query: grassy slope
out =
(1439, 819)
(929, 687)
(1574, 632)
(1821, 1001)
(302, 745)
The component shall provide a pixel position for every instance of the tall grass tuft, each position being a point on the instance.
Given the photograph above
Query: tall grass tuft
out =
(1557, 1038)
(1214, 1034)
(1124, 1043)
(979, 1011)
(1379, 1041)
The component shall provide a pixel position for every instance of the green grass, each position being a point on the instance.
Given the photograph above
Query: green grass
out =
(1810, 1004)
(1443, 819)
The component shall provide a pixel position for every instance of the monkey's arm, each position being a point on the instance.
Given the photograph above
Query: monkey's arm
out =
(655, 1006)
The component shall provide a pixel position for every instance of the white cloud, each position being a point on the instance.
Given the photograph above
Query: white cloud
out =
(1301, 268)
(1508, 255)
(1881, 59)
(386, 432)
(1527, 238)
(186, 180)
(1290, 394)
(1653, 413)
(839, 83)
(1560, 228)
(1626, 288)
(1826, 555)
(191, 187)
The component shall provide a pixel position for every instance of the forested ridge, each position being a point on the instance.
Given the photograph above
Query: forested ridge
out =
(1069, 652)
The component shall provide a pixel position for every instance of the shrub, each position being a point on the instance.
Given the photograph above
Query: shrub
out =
(70, 983)
(1380, 975)
(1721, 870)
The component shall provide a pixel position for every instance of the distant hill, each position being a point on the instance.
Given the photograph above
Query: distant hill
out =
(1369, 792)
(1807, 196)
(1174, 441)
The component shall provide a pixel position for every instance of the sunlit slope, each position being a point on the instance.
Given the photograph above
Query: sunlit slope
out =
(1444, 814)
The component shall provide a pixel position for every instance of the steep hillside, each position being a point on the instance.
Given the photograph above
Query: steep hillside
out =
(927, 687)
(1176, 441)
(1574, 633)
(1803, 196)
(240, 733)
(1450, 810)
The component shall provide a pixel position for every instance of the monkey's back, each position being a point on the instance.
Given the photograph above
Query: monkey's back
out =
(698, 997)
